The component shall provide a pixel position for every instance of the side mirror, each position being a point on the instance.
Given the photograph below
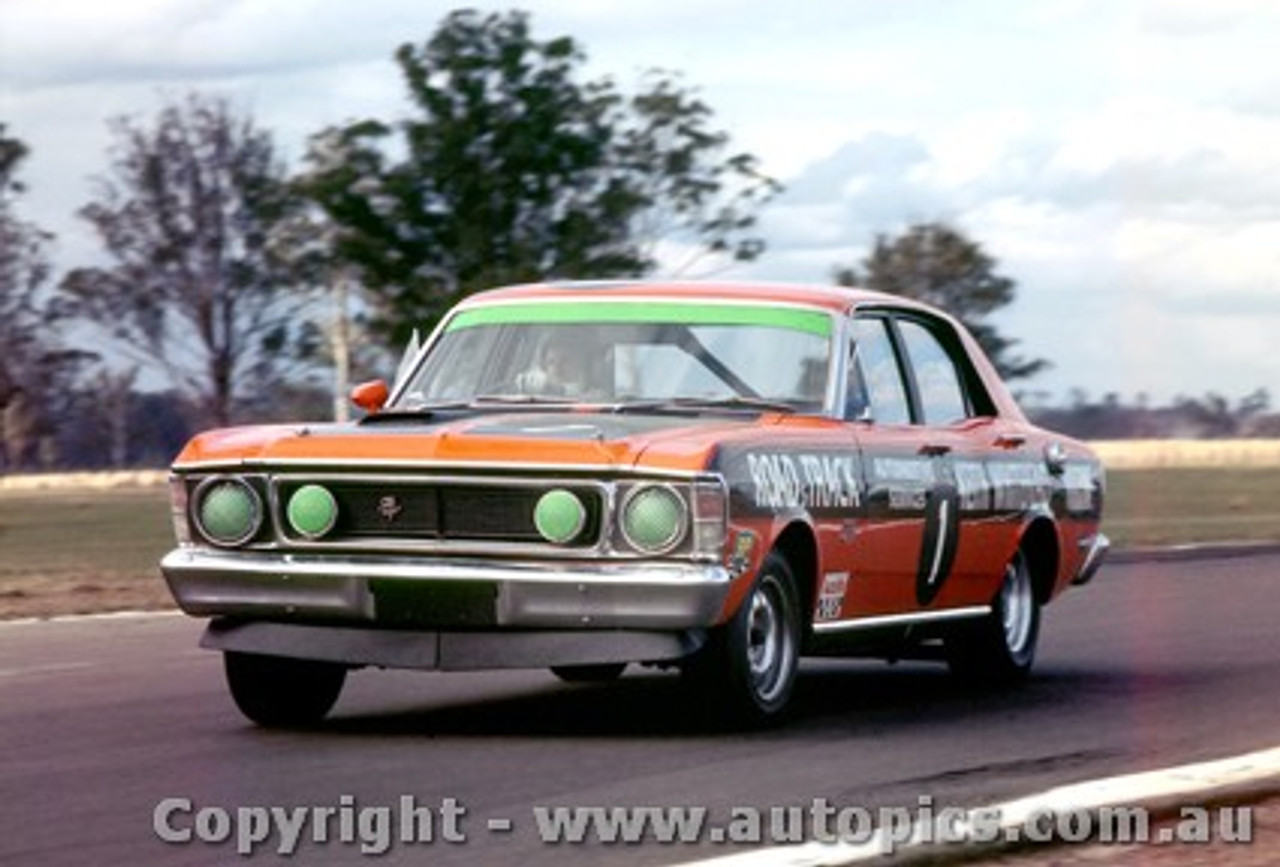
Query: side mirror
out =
(370, 396)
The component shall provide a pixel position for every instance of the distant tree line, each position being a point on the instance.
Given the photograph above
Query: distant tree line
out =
(1212, 416)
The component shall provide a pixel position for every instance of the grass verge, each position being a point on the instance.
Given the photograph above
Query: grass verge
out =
(1176, 506)
(83, 550)
(80, 551)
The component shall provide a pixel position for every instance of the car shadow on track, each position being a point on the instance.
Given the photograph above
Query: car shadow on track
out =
(830, 696)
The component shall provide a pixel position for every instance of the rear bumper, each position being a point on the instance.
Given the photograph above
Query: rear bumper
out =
(404, 593)
(1094, 549)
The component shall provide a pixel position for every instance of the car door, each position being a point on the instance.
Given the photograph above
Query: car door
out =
(920, 430)
(970, 541)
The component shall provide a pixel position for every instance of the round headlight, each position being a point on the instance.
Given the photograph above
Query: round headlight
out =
(654, 519)
(228, 511)
(312, 511)
(559, 516)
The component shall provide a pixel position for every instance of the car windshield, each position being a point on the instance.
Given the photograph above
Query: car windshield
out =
(621, 352)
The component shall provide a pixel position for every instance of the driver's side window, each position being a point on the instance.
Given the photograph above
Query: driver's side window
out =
(876, 387)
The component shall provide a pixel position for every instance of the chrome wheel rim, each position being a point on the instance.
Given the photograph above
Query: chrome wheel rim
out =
(771, 647)
(1017, 604)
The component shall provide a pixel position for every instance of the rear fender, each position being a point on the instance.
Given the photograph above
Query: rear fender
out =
(1042, 549)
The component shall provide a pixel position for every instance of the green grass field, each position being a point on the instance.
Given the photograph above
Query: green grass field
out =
(1186, 505)
(81, 550)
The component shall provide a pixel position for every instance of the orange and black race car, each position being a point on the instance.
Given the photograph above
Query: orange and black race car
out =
(580, 476)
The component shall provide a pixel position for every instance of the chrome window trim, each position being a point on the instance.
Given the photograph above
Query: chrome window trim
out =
(837, 320)
(838, 371)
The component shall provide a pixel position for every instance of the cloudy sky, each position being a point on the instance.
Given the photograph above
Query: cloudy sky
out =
(1119, 158)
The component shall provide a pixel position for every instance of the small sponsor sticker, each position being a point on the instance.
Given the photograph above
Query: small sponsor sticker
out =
(739, 559)
(831, 596)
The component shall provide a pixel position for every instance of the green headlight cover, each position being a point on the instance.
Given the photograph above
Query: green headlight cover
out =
(312, 511)
(229, 512)
(559, 516)
(654, 518)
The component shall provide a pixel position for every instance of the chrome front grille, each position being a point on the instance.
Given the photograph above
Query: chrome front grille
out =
(373, 509)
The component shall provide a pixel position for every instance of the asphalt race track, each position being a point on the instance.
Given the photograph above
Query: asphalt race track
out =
(102, 720)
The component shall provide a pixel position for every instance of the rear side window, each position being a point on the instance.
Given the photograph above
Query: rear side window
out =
(938, 384)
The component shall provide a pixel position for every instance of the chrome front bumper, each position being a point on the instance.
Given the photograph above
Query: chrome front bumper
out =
(444, 595)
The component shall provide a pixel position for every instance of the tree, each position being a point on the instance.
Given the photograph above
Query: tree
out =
(191, 215)
(667, 151)
(514, 169)
(318, 243)
(36, 369)
(936, 264)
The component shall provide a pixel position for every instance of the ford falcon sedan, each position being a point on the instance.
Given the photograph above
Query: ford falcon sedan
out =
(718, 478)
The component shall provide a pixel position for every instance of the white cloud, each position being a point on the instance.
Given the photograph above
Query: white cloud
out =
(1195, 18)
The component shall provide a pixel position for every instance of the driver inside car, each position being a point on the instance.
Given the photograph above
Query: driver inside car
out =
(560, 370)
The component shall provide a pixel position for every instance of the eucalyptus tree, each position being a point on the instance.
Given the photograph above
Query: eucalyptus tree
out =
(197, 283)
(937, 264)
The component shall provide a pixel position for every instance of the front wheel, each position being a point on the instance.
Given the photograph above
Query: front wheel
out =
(1001, 647)
(748, 667)
(277, 691)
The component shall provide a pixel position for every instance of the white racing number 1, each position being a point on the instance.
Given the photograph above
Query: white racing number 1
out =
(938, 546)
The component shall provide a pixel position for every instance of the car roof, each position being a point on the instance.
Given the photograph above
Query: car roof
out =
(838, 299)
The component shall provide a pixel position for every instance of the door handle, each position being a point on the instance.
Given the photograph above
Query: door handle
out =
(935, 450)
(1010, 441)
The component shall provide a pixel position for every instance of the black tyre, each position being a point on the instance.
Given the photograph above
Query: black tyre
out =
(1001, 648)
(278, 692)
(601, 673)
(748, 667)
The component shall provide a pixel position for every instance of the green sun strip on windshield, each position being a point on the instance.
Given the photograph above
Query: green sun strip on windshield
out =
(580, 313)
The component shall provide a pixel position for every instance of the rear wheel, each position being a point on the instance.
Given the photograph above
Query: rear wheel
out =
(748, 667)
(277, 691)
(1001, 647)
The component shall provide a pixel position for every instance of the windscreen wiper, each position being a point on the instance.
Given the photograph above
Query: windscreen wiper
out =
(521, 400)
(413, 412)
(689, 404)
(482, 402)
